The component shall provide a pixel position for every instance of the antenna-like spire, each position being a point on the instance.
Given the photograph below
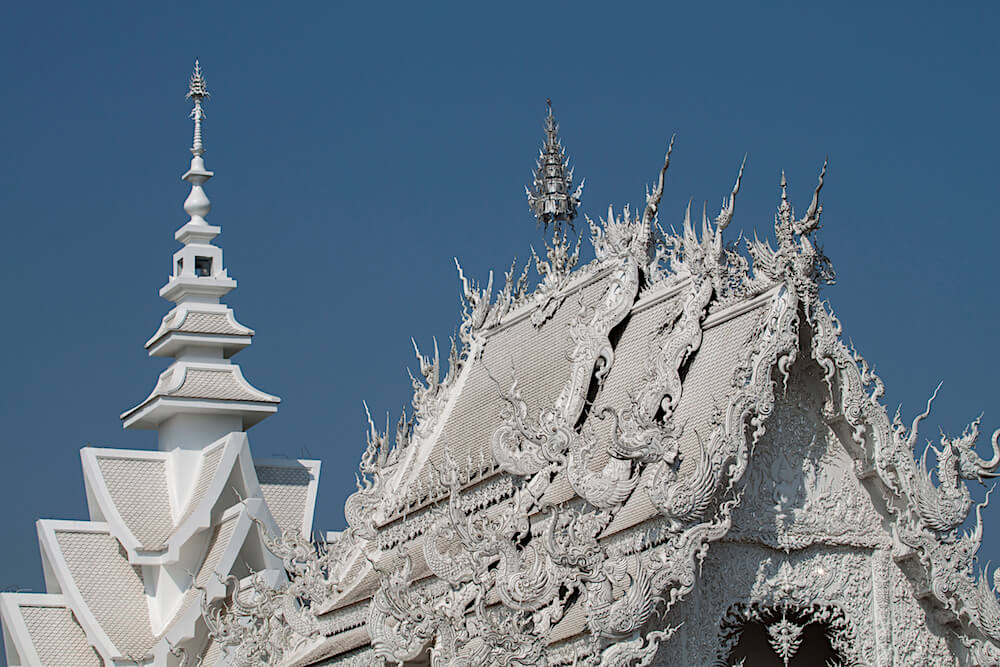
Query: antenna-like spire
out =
(550, 199)
(197, 91)
(197, 204)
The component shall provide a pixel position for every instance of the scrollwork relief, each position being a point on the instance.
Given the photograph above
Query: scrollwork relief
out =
(775, 522)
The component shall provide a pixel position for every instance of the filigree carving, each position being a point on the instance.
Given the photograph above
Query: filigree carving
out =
(259, 624)
(795, 428)
(798, 260)
(361, 506)
(801, 488)
(554, 272)
(725, 456)
(784, 635)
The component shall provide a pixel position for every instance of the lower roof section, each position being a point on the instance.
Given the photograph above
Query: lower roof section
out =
(40, 629)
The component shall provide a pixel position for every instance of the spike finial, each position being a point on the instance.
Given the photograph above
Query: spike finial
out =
(653, 198)
(197, 204)
(550, 198)
(197, 91)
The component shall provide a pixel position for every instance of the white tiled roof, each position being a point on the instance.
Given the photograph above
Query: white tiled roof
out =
(182, 320)
(57, 637)
(286, 492)
(218, 384)
(212, 654)
(214, 323)
(221, 535)
(522, 350)
(111, 588)
(138, 487)
(209, 464)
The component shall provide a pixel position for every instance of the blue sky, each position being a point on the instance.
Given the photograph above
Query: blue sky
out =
(357, 149)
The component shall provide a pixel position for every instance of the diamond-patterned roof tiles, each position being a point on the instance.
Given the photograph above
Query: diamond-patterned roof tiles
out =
(138, 487)
(57, 637)
(111, 588)
(285, 491)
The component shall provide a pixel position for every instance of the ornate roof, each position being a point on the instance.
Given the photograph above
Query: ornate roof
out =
(679, 408)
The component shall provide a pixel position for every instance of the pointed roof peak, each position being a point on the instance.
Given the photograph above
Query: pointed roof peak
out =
(550, 197)
(197, 91)
(197, 88)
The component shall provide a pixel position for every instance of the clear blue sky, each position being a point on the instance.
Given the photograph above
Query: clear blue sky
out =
(357, 149)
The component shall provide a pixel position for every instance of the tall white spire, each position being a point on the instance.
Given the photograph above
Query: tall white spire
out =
(197, 204)
(202, 395)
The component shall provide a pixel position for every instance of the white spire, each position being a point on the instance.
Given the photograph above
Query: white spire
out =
(197, 91)
(202, 395)
(197, 204)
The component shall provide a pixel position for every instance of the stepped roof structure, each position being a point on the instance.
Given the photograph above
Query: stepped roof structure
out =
(666, 456)
(173, 529)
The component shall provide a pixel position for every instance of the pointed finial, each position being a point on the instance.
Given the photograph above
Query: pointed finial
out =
(197, 91)
(550, 199)
(729, 204)
(197, 204)
(653, 198)
(784, 208)
(815, 208)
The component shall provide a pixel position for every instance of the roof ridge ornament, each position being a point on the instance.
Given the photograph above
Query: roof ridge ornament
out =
(798, 257)
(550, 197)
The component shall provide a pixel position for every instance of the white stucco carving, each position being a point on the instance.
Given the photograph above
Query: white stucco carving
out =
(749, 475)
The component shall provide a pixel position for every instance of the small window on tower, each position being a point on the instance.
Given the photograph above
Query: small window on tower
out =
(202, 266)
(180, 266)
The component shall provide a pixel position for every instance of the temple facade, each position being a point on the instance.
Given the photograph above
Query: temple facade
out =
(667, 456)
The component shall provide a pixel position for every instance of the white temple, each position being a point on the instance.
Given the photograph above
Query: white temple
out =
(667, 456)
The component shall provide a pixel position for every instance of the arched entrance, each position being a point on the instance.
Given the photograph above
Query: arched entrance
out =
(784, 636)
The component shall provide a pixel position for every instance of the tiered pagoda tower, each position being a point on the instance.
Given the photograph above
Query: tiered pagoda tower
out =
(202, 395)
(177, 527)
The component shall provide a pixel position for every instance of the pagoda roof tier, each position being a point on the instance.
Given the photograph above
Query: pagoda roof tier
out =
(199, 324)
(201, 388)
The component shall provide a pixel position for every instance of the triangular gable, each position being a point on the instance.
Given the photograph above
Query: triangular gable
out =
(110, 596)
(151, 522)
